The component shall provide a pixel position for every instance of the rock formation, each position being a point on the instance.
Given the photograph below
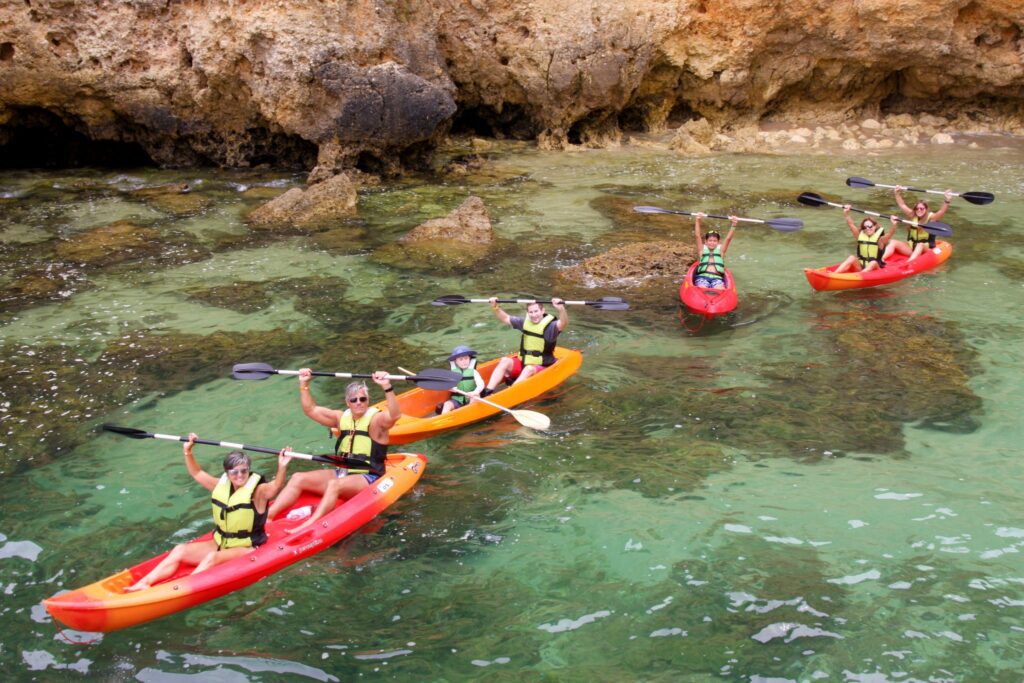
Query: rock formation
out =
(373, 85)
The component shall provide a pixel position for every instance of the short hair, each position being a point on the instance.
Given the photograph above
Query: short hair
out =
(534, 303)
(353, 387)
(714, 233)
(235, 458)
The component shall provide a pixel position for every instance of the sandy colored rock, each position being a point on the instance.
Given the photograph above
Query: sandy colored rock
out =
(316, 206)
(942, 139)
(470, 223)
(633, 263)
(110, 244)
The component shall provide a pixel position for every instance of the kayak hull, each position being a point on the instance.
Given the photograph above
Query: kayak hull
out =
(419, 420)
(896, 269)
(708, 302)
(104, 606)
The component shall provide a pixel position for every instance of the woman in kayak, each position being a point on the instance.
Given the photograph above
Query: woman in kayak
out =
(918, 239)
(240, 498)
(710, 273)
(871, 240)
(463, 361)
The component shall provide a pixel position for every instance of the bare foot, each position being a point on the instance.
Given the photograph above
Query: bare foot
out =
(301, 527)
(140, 586)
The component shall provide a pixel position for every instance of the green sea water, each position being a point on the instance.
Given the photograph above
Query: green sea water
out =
(821, 486)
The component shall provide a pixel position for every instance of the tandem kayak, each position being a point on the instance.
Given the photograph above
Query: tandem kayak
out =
(708, 302)
(104, 606)
(419, 420)
(896, 268)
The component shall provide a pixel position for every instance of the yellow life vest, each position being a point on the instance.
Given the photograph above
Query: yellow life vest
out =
(534, 349)
(867, 247)
(916, 235)
(354, 442)
(238, 524)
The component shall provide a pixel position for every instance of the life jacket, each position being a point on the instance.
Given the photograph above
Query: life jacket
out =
(467, 383)
(867, 247)
(916, 235)
(708, 258)
(354, 442)
(238, 524)
(534, 349)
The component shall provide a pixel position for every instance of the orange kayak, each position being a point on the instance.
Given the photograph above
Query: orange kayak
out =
(896, 269)
(708, 302)
(419, 420)
(104, 606)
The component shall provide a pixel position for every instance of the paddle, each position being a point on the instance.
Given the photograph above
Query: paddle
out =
(608, 303)
(436, 379)
(527, 418)
(139, 434)
(780, 224)
(936, 228)
(972, 197)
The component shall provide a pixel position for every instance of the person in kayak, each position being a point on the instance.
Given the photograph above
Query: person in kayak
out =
(710, 272)
(463, 361)
(871, 240)
(536, 346)
(918, 239)
(362, 435)
(239, 498)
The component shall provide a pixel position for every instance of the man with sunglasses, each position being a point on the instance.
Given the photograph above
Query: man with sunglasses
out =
(362, 435)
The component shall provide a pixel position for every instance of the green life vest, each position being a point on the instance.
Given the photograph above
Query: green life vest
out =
(467, 383)
(238, 524)
(867, 247)
(354, 442)
(711, 257)
(534, 349)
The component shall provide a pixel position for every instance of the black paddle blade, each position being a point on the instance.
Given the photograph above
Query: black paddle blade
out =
(937, 228)
(450, 300)
(811, 199)
(859, 182)
(436, 379)
(978, 197)
(252, 371)
(785, 224)
(127, 431)
(610, 303)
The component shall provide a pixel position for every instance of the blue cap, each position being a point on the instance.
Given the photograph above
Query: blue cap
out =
(461, 351)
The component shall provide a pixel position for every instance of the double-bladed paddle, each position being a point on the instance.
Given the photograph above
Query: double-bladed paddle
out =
(937, 228)
(780, 224)
(432, 378)
(140, 434)
(608, 303)
(972, 197)
(527, 418)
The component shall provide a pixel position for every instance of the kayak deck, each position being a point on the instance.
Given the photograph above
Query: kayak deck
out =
(896, 268)
(419, 419)
(705, 301)
(104, 606)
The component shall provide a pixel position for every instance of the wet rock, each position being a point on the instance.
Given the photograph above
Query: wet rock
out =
(110, 244)
(693, 137)
(178, 199)
(315, 207)
(942, 139)
(632, 263)
(470, 224)
(244, 297)
(347, 238)
(439, 256)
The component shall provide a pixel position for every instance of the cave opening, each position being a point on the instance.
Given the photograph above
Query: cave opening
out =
(37, 138)
(512, 122)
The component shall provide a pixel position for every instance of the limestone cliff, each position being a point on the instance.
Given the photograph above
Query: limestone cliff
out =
(374, 84)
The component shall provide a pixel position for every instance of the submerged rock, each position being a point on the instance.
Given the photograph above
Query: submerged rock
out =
(110, 244)
(315, 207)
(633, 264)
(470, 224)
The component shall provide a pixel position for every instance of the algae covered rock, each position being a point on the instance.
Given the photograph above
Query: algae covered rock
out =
(470, 223)
(315, 207)
(633, 263)
(110, 244)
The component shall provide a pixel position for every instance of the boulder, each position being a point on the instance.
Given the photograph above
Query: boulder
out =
(315, 207)
(470, 223)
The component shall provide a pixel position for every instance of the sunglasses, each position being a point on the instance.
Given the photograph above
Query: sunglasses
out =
(238, 470)
(358, 399)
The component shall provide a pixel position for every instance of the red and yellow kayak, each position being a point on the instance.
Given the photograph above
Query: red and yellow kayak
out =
(104, 606)
(896, 269)
(708, 302)
(419, 420)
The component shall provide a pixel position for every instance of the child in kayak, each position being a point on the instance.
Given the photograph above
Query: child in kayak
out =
(463, 361)
(918, 239)
(710, 273)
(871, 240)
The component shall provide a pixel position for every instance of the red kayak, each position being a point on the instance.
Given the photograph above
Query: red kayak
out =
(105, 606)
(896, 269)
(708, 302)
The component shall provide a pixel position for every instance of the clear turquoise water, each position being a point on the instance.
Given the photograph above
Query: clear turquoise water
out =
(746, 503)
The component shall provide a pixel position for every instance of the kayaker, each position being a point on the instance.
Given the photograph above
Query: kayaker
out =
(363, 435)
(239, 498)
(871, 241)
(919, 240)
(463, 361)
(536, 346)
(710, 273)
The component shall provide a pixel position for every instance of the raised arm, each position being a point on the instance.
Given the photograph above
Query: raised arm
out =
(498, 311)
(728, 238)
(945, 205)
(698, 239)
(387, 418)
(325, 416)
(563, 315)
(907, 211)
(849, 221)
(202, 477)
(266, 492)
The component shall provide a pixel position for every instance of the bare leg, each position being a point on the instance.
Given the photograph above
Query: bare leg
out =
(343, 489)
(528, 371)
(850, 264)
(498, 376)
(919, 249)
(192, 553)
(215, 557)
(895, 246)
(872, 265)
(314, 482)
(448, 407)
